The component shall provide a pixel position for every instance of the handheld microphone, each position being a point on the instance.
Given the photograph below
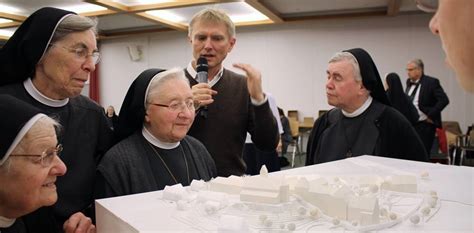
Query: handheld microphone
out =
(202, 69)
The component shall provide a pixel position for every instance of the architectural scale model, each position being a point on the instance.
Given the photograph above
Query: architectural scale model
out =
(302, 203)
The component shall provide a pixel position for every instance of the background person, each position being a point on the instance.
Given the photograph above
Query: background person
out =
(399, 100)
(362, 122)
(429, 99)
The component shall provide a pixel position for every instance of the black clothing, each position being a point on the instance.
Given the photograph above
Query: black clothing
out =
(112, 121)
(400, 101)
(370, 75)
(132, 166)
(228, 120)
(15, 114)
(380, 130)
(255, 159)
(431, 101)
(132, 113)
(85, 137)
(286, 137)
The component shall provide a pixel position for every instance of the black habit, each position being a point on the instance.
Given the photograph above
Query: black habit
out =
(380, 130)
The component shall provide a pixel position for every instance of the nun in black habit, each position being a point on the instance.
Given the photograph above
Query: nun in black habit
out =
(400, 101)
(27, 175)
(373, 128)
(154, 150)
(46, 64)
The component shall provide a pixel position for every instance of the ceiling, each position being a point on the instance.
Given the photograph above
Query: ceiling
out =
(118, 18)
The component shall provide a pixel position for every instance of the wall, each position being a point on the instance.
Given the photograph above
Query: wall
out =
(293, 58)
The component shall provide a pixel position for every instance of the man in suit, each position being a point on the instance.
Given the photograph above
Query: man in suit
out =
(429, 99)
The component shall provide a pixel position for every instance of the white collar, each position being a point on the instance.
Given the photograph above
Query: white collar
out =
(6, 222)
(360, 110)
(37, 95)
(216, 78)
(156, 142)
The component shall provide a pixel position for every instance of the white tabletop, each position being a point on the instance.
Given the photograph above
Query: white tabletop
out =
(147, 212)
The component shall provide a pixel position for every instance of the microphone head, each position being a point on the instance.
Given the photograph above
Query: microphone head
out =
(202, 65)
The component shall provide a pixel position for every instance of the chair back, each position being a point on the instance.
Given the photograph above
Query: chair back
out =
(293, 114)
(308, 121)
(294, 126)
(453, 127)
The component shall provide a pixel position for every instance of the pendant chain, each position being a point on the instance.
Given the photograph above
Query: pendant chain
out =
(351, 144)
(166, 166)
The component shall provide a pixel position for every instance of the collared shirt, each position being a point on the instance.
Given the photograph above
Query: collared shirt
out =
(156, 142)
(218, 77)
(360, 110)
(37, 95)
(6, 222)
(423, 116)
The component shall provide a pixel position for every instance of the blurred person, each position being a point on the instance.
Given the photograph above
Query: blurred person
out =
(29, 167)
(362, 122)
(452, 22)
(46, 63)
(285, 138)
(154, 150)
(229, 105)
(399, 100)
(255, 158)
(429, 99)
(112, 117)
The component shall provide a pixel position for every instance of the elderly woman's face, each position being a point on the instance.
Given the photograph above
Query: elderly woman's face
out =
(64, 67)
(166, 124)
(27, 184)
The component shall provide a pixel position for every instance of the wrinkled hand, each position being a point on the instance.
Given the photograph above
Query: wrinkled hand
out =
(279, 147)
(202, 95)
(429, 120)
(79, 223)
(254, 81)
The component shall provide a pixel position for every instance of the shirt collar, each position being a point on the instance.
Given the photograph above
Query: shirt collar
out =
(156, 142)
(216, 78)
(359, 110)
(37, 95)
(6, 222)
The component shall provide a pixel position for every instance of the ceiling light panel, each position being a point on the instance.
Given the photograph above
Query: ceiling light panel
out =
(2, 20)
(239, 12)
(141, 2)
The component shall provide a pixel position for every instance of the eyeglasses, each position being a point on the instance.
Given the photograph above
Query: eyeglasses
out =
(178, 106)
(427, 5)
(82, 53)
(46, 158)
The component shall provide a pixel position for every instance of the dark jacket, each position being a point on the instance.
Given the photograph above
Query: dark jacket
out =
(432, 99)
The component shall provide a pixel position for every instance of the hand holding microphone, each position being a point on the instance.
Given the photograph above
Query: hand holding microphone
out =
(202, 92)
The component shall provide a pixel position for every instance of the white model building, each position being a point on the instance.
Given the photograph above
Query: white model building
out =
(230, 185)
(174, 193)
(400, 183)
(265, 189)
(363, 210)
(331, 201)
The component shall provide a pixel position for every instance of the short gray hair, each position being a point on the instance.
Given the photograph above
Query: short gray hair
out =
(162, 77)
(215, 16)
(74, 23)
(39, 126)
(346, 56)
(418, 63)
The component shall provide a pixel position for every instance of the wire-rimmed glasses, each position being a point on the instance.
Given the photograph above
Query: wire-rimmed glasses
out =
(46, 158)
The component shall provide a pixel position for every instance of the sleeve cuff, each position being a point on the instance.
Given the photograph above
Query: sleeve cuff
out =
(256, 103)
